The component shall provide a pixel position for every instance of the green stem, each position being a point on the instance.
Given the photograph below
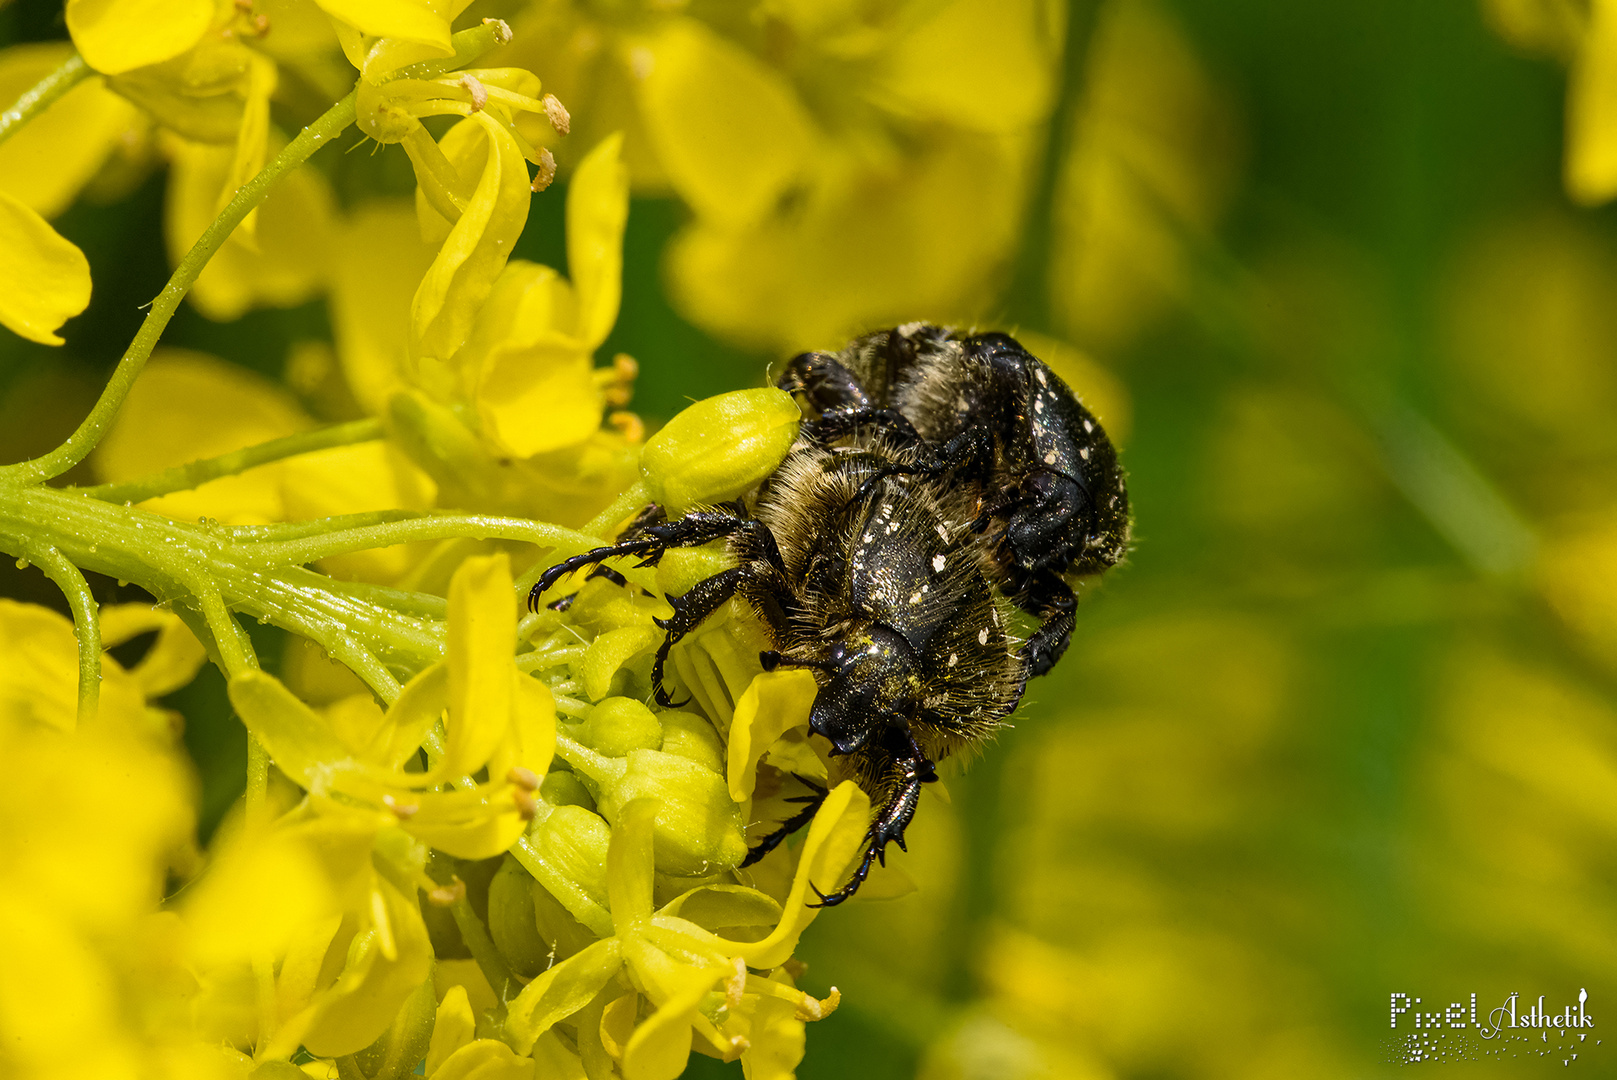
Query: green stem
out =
(43, 94)
(197, 473)
(435, 527)
(89, 433)
(634, 497)
(86, 621)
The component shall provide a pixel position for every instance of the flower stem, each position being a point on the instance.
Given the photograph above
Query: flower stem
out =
(197, 473)
(89, 433)
(43, 94)
(86, 621)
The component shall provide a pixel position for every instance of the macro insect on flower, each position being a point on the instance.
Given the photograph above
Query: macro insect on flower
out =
(873, 553)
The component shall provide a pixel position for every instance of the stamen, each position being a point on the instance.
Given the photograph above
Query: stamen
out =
(523, 778)
(526, 806)
(547, 170)
(556, 113)
(446, 895)
(476, 89)
(402, 811)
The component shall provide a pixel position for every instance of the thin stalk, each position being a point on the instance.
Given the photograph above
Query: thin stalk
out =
(86, 622)
(634, 497)
(197, 473)
(43, 94)
(89, 433)
(437, 527)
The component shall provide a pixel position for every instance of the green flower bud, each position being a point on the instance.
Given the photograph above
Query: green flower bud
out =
(719, 447)
(698, 827)
(571, 846)
(557, 926)
(565, 789)
(618, 725)
(393, 1056)
(692, 737)
(511, 921)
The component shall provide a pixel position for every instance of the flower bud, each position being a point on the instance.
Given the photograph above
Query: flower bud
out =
(511, 921)
(572, 843)
(697, 829)
(565, 789)
(719, 447)
(619, 724)
(692, 737)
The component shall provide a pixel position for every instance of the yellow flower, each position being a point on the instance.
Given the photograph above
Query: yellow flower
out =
(115, 36)
(44, 279)
(695, 980)
(94, 818)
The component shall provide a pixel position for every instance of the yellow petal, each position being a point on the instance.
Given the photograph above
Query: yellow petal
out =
(379, 262)
(482, 638)
(413, 713)
(298, 739)
(729, 131)
(1011, 63)
(454, 1027)
(174, 658)
(1591, 139)
(772, 705)
(597, 210)
(630, 865)
(473, 256)
(475, 824)
(661, 1046)
(610, 651)
(530, 741)
(521, 384)
(424, 22)
(834, 840)
(44, 279)
(775, 1037)
(48, 161)
(367, 995)
(561, 992)
(485, 1059)
(119, 35)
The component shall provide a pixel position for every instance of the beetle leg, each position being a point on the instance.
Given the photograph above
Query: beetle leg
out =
(1050, 598)
(914, 769)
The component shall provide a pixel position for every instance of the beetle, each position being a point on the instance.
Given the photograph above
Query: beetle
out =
(983, 410)
(867, 571)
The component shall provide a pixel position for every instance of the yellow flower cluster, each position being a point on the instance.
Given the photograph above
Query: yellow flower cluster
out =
(470, 844)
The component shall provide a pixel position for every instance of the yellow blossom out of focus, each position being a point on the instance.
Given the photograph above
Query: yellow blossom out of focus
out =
(116, 794)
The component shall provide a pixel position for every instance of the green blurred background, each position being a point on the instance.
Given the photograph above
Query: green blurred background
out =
(1346, 722)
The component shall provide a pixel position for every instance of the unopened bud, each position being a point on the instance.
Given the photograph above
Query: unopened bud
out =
(697, 830)
(572, 842)
(719, 447)
(511, 921)
(693, 738)
(618, 725)
(565, 789)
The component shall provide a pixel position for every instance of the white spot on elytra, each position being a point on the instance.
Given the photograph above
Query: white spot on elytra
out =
(1089, 425)
(954, 658)
(915, 597)
(1083, 452)
(982, 636)
(939, 562)
(1038, 404)
(943, 534)
(1038, 373)
(1050, 458)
